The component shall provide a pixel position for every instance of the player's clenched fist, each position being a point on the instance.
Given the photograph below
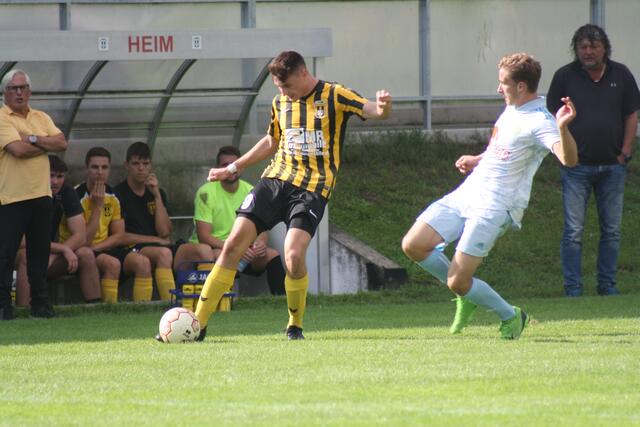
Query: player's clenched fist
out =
(218, 174)
(383, 101)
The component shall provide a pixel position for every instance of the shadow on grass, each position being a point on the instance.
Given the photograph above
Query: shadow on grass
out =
(267, 316)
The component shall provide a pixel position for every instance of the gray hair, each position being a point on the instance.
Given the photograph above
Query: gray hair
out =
(10, 75)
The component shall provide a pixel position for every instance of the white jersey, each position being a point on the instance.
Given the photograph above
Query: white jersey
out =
(502, 180)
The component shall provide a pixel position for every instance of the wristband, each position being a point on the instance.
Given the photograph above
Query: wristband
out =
(232, 168)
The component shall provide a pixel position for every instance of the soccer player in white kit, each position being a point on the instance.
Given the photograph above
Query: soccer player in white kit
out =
(493, 197)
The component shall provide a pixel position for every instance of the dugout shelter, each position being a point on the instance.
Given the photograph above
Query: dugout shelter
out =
(194, 89)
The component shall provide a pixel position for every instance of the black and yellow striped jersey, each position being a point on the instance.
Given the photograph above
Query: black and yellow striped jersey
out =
(310, 133)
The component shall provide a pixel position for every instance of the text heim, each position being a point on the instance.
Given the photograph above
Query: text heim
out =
(149, 44)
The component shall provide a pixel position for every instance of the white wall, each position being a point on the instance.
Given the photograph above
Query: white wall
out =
(375, 43)
(470, 37)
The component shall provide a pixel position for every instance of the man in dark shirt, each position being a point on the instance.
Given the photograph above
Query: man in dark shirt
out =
(607, 97)
(68, 257)
(147, 222)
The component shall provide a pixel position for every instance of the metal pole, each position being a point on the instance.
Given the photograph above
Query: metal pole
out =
(425, 61)
(249, 67)
(65, 15)
(597, 12)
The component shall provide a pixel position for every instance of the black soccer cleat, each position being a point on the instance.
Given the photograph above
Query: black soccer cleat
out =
(43, 311)
(6, 313)
(294, 333)
(159, 338)
(203, 333)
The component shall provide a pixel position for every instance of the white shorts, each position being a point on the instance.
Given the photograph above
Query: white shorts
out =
(476, 234)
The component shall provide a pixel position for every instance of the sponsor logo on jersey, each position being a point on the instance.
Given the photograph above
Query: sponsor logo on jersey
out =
(302, 142)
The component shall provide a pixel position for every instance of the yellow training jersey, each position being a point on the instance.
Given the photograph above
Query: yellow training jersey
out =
(110, 212)
(310, 133)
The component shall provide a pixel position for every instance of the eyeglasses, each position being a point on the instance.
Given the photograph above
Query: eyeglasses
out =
(15, 89)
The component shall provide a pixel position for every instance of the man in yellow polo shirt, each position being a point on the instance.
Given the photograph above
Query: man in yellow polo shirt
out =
(26, 135)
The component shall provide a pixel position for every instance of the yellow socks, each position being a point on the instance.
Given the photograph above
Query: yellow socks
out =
(296, 298)
(109, 290)
(165, 282)
(218, 282)
(142, 289)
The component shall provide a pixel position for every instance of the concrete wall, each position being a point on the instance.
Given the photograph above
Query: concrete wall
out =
(376, 42)
(375, 45)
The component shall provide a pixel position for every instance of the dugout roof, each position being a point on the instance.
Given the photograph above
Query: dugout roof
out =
(143, 84)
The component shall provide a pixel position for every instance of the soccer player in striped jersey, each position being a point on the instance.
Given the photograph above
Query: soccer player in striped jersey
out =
(494, 196)
(305, 137)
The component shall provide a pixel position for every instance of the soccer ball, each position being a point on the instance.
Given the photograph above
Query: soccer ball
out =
(179, 325)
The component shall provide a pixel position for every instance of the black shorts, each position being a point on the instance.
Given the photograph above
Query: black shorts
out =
(120, 253)
(173, 246)
(272, 201)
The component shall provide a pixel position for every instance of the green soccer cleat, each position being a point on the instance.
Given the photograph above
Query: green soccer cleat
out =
(464, 314)
(512, 329)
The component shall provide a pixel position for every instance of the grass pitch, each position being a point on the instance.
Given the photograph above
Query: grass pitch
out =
(364, 362)
(382, 358)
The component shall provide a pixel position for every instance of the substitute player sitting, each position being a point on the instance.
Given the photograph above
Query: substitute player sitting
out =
(215, 208)
(105, 231)
(71, 255)
(305, 138)
(494, 196)
(147, 223)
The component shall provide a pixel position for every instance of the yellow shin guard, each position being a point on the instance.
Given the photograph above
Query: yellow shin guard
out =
(296, 298)
(165, 282)
(218, 282)
(109, 290)
(142, 289)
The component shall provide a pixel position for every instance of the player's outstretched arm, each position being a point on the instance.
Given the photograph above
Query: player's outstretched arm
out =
(566, 150)
(380, 109)
(264, 148)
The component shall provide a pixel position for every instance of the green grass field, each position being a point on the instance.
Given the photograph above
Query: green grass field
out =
(366, 361)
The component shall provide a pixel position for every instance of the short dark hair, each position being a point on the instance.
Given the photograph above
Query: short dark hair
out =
(285, 64)
(522, 67)
(56, 164)
(227, 150)
(593, 33)
(139, 149)
(97, 152)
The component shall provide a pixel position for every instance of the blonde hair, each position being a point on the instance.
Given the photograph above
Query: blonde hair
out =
(522, 67)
